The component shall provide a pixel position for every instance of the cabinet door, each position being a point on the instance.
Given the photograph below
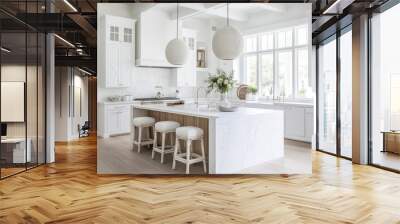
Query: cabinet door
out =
(186, 76)
(309, 124)
(294, 123)
(112, 72)
(112, 122)
(124, 121)
(125, 64)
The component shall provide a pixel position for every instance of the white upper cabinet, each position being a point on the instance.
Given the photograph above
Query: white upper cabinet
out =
(155, 29)
(116, 51)
(186, 75)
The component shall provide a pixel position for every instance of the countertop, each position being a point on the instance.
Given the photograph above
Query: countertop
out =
(203, 110)
(241, 102)
(133, 102)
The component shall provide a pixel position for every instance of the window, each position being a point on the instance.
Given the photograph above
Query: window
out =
(285, 81)
(303, 82)
(285, 39)
(267, 41)
(327, 97)
(127, 35)
(251, 44)
(301, 35)
(385, 89)
(277, 63)
(114, 33)
(267, 75)
(251, 69)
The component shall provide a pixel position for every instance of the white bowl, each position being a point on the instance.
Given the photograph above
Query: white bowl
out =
(223, 108)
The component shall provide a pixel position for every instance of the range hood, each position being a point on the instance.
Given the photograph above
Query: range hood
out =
(154, 30)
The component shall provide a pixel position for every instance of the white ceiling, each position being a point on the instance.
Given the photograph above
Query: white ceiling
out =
(239, 12)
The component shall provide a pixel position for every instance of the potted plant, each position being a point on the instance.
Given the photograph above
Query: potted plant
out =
(221, 82)
(251, 93)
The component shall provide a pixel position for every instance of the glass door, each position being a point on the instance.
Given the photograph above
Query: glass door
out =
(385, 90)
(22, 101)
(327, 96)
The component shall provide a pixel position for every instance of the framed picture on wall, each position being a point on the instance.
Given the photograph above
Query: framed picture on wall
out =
(201, 58)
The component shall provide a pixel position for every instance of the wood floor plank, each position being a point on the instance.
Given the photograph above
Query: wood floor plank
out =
(70, 191)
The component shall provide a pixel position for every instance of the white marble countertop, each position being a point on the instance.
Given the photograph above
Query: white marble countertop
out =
(202, 110)
(133, 102)
(242, 102)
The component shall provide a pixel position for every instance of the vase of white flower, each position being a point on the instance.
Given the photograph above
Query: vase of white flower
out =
(222, 82)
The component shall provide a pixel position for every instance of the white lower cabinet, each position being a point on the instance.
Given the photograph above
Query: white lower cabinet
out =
(309, 123)
(299, 122)
(294, 123)
(299, 119)
(114, 120)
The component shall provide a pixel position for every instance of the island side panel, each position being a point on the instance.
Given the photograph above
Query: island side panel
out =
(211, 146)
(246, 141)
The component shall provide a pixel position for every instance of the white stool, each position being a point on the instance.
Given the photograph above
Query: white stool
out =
(164, 127)
(141, 123)
(189, 134)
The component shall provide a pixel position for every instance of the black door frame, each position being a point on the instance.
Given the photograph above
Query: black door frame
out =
(387, 5)
(334, 37)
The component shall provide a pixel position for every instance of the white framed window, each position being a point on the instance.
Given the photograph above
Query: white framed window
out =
(114, 33)
(128, 35)
(277, 63)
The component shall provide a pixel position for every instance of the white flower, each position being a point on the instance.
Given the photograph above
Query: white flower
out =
(219, 81)
(226, 82)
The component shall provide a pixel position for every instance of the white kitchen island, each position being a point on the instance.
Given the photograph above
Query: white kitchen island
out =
(237, 140)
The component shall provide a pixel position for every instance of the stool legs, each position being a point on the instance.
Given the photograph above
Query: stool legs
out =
(177, 148)
(188, 151)
(162, 147)
(133, 137)
(154, 144)
(203, 155)
(139, 139)
(148, 135)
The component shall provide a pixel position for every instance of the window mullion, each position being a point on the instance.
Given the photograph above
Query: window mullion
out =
(275, 67)
(294, 64)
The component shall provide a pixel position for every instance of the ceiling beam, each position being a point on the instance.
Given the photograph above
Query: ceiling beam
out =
(337, 7)
(84, 24)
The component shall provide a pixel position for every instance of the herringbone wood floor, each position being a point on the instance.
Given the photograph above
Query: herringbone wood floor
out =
(69, 191)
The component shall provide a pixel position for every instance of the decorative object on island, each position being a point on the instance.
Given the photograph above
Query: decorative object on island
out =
(242, 91)
(251, 93)
(222, 82)
(201, 58)
(227, 43)
(177, 51)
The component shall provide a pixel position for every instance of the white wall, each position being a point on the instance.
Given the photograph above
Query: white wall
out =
(66, 122)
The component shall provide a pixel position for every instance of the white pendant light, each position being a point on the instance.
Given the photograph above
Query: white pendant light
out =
(227, 43)
(177, 51)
